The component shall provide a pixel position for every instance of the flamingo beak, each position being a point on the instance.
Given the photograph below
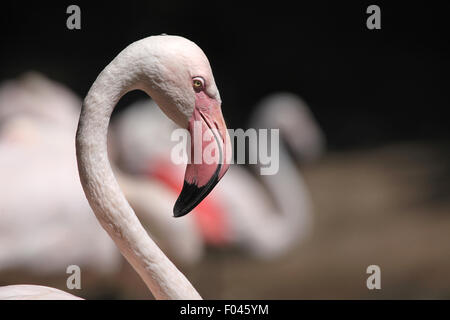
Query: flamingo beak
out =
(209, 159)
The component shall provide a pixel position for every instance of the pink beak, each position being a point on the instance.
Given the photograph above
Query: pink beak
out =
(210, 155)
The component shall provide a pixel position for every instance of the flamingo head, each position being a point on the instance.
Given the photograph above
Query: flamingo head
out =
(298, 126)
(183, 87)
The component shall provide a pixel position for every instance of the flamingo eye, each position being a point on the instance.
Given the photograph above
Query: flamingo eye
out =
(198, 83)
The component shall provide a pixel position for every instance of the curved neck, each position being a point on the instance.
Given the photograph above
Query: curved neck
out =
(111, 208)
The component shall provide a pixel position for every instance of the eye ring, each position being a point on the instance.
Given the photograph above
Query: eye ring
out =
(198, 83)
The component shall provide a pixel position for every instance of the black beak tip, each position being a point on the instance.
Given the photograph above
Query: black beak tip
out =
(191, 195)
(177, 213)
(180, 209)
(189, 198)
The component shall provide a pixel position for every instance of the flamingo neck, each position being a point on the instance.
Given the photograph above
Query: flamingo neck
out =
(291, 196)
(105, 197)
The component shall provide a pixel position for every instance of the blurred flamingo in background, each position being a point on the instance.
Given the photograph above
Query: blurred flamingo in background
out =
(270, 218)
(266, 217)
(46, 223)
(145, 64)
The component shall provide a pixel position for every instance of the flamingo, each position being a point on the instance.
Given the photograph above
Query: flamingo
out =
(239, 212)
(55, 227)
(270, 228)
(38, 123)
(176, 73)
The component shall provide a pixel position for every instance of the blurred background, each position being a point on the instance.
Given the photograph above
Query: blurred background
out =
(377, 187)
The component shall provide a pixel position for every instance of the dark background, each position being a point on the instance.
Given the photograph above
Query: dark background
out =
(366, 87)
